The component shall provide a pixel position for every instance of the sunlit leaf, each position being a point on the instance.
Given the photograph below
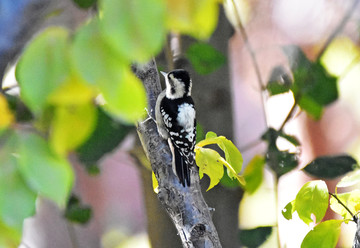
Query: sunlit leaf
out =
(77, 212)
(339, 55)
(136, 28)
(331, 166)
(43, 67)
(155, 183)
(253, 173)
(253, 238)
(6, 117)
(209, 163)
(71, 126)
(350, 199)
(204, 58)
(125, 100)
(74, 91)
(232, 154)
(312, 198)
(44, 171)
(350, 179)
(324, 235)
(9, 237)
(99, 65)
(193, 17)
(288, 210)
(235, 9)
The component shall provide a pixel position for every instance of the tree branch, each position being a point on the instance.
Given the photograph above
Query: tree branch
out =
(185, 205)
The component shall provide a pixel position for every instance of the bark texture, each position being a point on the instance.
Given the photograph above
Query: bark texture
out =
(185, 205)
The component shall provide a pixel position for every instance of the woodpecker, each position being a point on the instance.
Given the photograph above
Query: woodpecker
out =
(176, 122)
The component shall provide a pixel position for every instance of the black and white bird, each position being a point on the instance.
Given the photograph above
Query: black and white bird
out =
(176, 122)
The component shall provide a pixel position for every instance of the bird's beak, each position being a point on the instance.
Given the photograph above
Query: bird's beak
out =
(163, 73)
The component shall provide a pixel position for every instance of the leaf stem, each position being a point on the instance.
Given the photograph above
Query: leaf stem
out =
(227, 165)
(250, 49)
(355, 218)
(289, 116)
(340, 27)
(276, 185)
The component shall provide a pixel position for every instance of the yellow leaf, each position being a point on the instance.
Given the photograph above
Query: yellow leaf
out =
(74, 91)
(71, 126)
(6, 117)
(155, 183)
(194, 17)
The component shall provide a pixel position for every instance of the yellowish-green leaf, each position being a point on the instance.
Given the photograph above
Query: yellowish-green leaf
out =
(43, 67)
(6, 117)
(197, 18)
(71, 126)
(312, 198)
(350, 199)
(9, 237)
(288, 210)
(74, 91)
(155, 183)
(350, 179)
(324, 235)
(253, 173)
(125, 100)
(44, 171)
(209, 163)
(136, 28)
(99, 65)
(232, 154)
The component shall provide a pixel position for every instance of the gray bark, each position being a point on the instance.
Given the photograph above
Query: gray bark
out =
(356, 243)
(185, 205)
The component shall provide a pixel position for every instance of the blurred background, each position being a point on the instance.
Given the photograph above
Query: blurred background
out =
(229, 102)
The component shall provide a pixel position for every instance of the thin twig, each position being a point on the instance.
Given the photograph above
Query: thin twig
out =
(244, 35)
(71, 231)
(355, 219)
(339, 28)
(289, 116)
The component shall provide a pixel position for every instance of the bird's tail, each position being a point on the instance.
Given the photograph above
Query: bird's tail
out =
(182, 168)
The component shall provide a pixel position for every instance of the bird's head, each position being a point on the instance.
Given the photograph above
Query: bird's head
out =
(178, 83)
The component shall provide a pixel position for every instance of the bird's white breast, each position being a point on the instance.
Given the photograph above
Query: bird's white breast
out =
(186, 116)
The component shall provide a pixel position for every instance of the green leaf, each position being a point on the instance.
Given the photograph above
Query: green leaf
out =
(279, 81)
(324, 235)
(200, 133)
(288, 210)
(125, 101)
(292, 139)
(349, 180)
(197, 18)
(98, 64)
(350, 199)
(106, 137)
(253, 174)
(46, 173)
(330, 167)
(209, 163)
(313, 87)
(253, 238)
(204, 58)
(77, 212)
(84, 4)
(71, 126)
(281, 162)
(312, 198)
(17, 201)
(43, 67)
(136, 28)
